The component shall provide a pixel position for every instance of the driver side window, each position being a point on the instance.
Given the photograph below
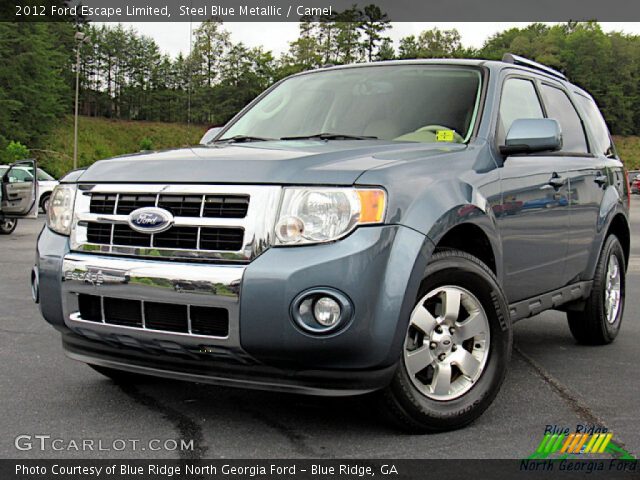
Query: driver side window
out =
(519, 100)
(17, 175)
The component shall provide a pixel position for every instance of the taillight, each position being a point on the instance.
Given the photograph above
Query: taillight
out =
(627, 187)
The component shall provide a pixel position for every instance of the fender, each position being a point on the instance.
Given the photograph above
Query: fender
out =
(612, 205)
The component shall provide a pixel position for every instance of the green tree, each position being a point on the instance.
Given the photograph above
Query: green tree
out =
(33, 88)
(436, 43)
(408, 47)
(373, 23)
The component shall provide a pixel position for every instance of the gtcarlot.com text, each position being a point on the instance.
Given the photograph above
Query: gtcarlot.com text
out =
(45, 442)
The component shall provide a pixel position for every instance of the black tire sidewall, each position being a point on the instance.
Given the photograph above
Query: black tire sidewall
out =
(612, 246)
(43, 202)
(9, 231)
(459, 269)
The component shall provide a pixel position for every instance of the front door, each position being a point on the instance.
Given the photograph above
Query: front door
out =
(533, 220)
(19, 190)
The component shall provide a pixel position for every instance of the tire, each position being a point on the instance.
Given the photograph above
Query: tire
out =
(121, 376)
(418, 403)
(44, 202)
(8, 225)
(595, 325)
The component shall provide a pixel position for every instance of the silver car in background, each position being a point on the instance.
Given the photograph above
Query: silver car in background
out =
(46, 183)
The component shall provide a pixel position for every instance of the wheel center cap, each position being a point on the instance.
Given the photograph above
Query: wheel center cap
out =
(445, 342)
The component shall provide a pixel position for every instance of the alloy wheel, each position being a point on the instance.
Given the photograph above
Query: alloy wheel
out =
(447, 343)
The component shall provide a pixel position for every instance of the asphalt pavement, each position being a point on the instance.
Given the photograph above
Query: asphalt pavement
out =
(551, 381)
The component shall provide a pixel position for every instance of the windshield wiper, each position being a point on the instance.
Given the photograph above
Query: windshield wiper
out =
(243, 139)
(330, 136)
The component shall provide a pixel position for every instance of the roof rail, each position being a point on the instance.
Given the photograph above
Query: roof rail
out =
(525, 62)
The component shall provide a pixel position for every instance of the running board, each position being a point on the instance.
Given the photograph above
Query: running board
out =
(535, 305)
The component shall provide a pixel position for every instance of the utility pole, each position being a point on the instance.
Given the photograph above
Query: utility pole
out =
(80, 39)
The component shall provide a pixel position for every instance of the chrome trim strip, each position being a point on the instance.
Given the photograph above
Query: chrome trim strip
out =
(151, 281)
(257, 224)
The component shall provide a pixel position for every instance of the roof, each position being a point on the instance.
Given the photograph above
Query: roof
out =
(515, 62)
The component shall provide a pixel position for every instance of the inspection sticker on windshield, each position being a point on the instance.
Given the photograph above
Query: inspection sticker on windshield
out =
(444, 136)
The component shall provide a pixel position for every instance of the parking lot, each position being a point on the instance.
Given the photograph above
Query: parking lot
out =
(551, 381)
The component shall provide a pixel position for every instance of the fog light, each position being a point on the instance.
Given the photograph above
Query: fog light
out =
(321, 311)
(326, 311)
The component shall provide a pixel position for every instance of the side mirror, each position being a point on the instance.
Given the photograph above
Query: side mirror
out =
(210, 135)
(532, 135)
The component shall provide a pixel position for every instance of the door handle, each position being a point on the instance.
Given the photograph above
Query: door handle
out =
(556, 181)
(600, 180)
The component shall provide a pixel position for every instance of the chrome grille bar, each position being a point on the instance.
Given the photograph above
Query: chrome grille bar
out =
(256, 226)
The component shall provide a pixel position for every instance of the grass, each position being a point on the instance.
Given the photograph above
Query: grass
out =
(629, 151)
(100, 138)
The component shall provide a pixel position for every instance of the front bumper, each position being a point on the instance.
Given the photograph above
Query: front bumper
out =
(377, 268)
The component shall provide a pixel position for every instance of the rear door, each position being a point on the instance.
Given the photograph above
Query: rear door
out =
(19, 190)
(534, 215)
(592, 167)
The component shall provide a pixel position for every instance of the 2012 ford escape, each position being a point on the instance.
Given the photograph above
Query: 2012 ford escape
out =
(363, 228)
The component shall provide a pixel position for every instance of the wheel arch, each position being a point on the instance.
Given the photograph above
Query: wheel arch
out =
(619, 226)
(474, 233)
(469, 238)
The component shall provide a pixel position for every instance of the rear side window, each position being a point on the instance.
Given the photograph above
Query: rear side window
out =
(519, 100)
(603, 144)
(560, 108)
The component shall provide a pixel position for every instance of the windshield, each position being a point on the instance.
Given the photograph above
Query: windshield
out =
(44, 176)
(420, 103)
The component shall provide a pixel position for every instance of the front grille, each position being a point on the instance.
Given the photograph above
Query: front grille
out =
(123, 235)
(103, 203)
(99, 233)
(210, 321)
(225, 206)
(122, 312)
(178, 237)
(231, 223)
(184, 238)
(205, 206)
(181, 205)
(129, 203)
(165, 317)
(221, 238)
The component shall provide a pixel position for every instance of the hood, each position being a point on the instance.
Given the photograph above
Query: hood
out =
(307, 162)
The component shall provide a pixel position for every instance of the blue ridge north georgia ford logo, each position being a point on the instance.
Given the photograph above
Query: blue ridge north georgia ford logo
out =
(150, 220)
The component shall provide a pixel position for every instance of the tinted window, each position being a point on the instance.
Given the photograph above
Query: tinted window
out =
(560, 108)
(519, 100)
(598, 126)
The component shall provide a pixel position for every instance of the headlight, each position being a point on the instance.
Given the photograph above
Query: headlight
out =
(60, 212)
(316, 215)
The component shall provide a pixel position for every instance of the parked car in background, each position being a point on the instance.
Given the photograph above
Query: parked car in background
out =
(635, 184)
(18, 194)
(46, 183)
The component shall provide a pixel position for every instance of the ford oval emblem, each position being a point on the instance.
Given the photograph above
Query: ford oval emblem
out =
(150, 220)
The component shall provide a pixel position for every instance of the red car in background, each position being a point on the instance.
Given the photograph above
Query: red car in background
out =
(635, 184)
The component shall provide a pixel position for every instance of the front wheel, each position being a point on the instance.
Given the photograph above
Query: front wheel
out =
(44, 203)
(599, 322)
(457, 347)
(8, 225)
